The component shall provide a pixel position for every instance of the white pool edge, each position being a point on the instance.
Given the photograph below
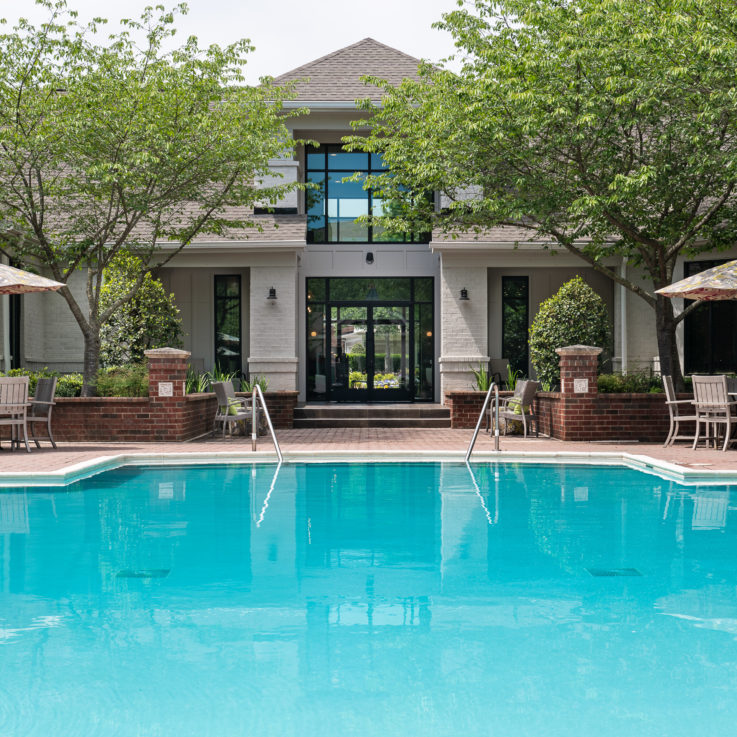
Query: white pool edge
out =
(94, 466)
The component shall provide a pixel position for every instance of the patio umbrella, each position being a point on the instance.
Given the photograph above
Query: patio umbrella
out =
(719, 282)
(17, 281)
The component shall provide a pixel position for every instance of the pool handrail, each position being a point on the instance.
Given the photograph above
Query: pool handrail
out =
(493, 388)
(258, 396)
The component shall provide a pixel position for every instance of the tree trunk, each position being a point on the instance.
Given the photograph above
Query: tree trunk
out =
(665, 327)
(91, 362)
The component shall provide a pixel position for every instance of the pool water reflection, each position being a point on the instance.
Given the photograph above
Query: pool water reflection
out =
(376, 599)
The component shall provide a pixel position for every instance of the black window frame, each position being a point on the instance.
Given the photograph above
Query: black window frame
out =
(707, 359)
(326, 149)
(523, 366)
(216, 300)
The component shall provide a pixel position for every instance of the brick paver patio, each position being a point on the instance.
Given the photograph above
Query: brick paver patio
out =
(357, 439)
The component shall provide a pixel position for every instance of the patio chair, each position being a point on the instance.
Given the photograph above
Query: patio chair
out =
(14, 407)
(713, 408)
(677, 413)
(230, 409)
(41, 406)
(519, 406)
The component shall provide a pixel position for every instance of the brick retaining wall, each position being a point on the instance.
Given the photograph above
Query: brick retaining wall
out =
(579, 412)
(166, 414)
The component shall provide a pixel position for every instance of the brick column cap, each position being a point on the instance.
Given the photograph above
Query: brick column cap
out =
(578, 350)
(166, 353)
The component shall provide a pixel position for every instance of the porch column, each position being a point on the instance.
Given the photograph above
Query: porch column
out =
(273, 333)
(464, 322)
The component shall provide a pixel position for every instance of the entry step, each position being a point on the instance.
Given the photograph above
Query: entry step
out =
(371, 415)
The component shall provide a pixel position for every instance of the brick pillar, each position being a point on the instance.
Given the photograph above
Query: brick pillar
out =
(578, 390)
(167, 374)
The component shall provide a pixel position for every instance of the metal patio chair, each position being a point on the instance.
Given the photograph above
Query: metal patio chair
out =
(230, 409)
(678, 413)
(713, 408)
(41, 406)
(519, 407)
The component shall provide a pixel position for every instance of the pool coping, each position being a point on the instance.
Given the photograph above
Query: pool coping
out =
(88, 468)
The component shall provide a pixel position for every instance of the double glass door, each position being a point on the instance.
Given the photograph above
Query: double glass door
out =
(369, 352)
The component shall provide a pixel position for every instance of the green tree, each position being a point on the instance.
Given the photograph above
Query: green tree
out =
(150, 319)
(606, 128)
(126, 146)
(575, 315)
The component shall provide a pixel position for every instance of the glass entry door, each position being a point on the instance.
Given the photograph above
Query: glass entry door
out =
(369, 340)
(369, 353)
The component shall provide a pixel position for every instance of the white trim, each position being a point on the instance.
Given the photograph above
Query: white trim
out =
(646, 464)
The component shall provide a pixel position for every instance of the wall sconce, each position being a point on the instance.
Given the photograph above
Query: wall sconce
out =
(272, 294)
(464, 295)
(429, 333)
(370, 257)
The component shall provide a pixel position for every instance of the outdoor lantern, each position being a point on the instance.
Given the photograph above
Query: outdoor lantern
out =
(272, 294)
(464, 295)
(369, 258)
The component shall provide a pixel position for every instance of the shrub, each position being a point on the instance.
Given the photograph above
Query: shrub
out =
(33, 376)
(123, 381)
(632, 383)
(576, 315)
(149, 320)
(69, 385)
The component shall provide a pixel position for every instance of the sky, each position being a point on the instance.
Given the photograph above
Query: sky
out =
(286, 33)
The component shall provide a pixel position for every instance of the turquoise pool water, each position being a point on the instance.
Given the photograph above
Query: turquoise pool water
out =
(368, 600)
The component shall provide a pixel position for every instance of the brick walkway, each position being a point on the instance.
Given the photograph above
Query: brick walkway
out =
(358, 439)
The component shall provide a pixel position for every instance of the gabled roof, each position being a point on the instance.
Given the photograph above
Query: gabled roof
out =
(336, 77)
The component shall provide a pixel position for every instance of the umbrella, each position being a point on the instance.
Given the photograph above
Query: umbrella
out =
(17, 281)
(719, 282)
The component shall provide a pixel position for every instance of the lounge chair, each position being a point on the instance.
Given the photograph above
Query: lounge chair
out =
(231, 409)
(678, 412)
(41, 406)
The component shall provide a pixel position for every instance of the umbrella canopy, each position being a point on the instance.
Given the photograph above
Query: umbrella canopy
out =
(719, 282)
(17, 281)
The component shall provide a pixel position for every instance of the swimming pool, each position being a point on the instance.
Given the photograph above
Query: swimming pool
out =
(376, 599)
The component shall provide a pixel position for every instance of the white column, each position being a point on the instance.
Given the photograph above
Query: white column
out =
(273, 324)
(464, 323)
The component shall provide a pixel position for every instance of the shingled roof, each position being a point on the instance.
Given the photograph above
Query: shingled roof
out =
(336, 77)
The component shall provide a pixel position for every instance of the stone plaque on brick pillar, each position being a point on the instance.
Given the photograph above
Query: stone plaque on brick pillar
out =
(579, 366)
(167, 372)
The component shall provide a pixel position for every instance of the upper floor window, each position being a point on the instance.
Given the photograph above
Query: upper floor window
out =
(334, 205)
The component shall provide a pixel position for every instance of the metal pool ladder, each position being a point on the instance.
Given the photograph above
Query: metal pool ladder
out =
(258, 396)
(493, 388)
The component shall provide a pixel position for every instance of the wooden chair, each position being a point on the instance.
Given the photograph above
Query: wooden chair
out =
(713, 408)
(14, 407)
(41, 406)
(231, 409)
(677, 413)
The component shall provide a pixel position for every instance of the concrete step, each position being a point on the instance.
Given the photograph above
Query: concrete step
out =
(371, 415)
(328, 422)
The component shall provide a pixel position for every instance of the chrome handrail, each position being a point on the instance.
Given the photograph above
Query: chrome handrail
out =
(254, 420)
(495, 389)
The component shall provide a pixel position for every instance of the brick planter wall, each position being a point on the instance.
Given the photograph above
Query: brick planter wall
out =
(465, 406)
(578, 411)
(166, 414)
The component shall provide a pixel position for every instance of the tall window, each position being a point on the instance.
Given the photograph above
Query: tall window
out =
(334, 206)
(710, 339)
(515, 321)
(228, 352)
